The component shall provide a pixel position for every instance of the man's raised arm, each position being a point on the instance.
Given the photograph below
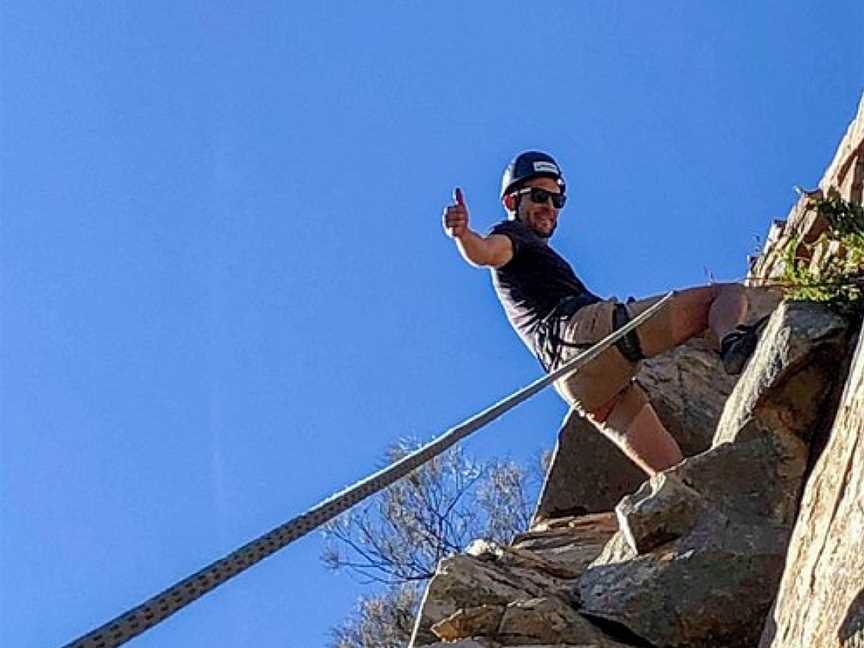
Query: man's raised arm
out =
(494, 250)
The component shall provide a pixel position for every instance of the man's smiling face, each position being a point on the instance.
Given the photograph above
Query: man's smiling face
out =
(541, 218)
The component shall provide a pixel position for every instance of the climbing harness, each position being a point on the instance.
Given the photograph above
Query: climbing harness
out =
(550, 343)
(156, 609)
(548, 340)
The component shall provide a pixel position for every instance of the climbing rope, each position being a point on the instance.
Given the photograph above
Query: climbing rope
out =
(156, 609)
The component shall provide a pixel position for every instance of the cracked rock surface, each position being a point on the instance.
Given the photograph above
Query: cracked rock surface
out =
(701, 547)
(821, 597)
(517, 595)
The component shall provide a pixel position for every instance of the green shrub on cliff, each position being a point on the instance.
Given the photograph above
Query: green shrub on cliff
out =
(839, 271)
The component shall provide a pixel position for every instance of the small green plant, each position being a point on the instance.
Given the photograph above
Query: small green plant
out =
(835, 278)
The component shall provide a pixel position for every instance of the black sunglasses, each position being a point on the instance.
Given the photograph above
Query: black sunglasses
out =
(541, 196)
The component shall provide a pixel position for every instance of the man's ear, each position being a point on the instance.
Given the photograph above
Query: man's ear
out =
(510, 202)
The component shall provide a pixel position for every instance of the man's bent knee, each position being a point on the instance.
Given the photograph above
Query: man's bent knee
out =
(632, 425)
(621, 409)
(684, 317)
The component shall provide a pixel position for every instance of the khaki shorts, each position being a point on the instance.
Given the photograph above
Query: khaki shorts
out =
(593, 386)
(600, 380)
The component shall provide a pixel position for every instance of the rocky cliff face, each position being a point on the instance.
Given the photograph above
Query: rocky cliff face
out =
(821, 596)
(755, 539)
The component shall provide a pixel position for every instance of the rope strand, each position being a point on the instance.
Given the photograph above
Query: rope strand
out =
(158, 608)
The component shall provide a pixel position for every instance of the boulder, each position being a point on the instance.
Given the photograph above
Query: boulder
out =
(807, 341)
(701, 547)
(469, 595)
(463, 582)
(709, 587)
(662, 510)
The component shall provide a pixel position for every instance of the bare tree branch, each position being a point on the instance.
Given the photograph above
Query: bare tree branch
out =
(399, 539)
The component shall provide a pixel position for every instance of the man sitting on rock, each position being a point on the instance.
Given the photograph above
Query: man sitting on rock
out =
(557, 316)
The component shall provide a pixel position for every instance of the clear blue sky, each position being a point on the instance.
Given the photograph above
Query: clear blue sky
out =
(225, 289)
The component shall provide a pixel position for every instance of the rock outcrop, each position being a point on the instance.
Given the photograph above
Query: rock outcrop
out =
(701, 547)
(820, 601)
(517, 595)
(755, 539)
(821, 597)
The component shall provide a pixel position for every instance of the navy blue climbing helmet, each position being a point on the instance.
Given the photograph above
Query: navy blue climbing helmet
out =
(530, 164)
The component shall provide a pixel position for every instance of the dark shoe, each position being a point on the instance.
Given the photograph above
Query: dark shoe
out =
(737, 347)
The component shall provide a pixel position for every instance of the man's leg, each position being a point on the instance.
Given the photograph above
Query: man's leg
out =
(624, 414)
(718, 308)
(604, 391)
(629, 420)
(631, 423)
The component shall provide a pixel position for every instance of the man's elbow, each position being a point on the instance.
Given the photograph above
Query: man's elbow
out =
(477, 260)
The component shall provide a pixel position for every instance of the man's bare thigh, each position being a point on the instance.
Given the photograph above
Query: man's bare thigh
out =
(683, 317)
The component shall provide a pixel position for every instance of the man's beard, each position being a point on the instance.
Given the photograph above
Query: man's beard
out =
(519, 217)
(546, 235)
(543, 234)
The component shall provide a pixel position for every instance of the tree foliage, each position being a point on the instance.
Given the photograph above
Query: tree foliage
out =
(383, 620)
(399, 537)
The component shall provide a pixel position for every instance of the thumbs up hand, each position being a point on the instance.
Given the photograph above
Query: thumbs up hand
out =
(455, 217)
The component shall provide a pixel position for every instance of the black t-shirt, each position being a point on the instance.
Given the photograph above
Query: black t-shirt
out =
(534, 281)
